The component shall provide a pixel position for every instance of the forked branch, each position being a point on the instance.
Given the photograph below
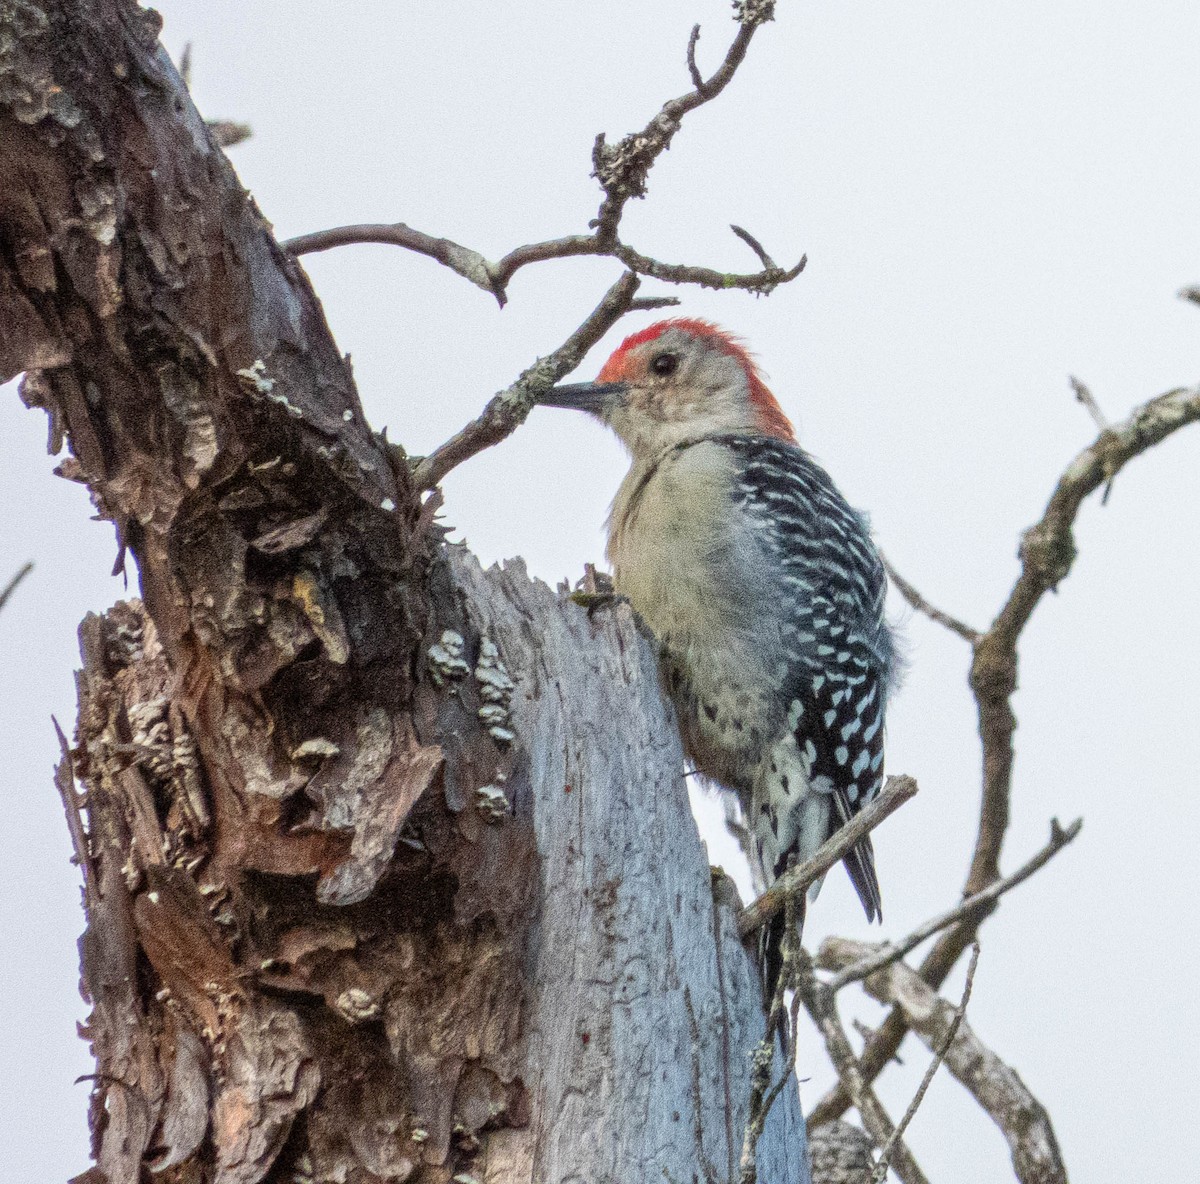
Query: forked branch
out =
(821, 1004)
(973, 907)
(880, 1171)
(622, 170)
(1047, 554)
(1000, 1092)
(509, 409)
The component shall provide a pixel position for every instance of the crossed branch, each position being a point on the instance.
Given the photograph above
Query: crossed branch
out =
(1047, 553)
(621, 170)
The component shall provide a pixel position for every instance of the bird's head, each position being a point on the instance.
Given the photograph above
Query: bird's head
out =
(677, 380)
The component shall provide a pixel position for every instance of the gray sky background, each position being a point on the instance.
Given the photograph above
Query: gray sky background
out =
(991, 197)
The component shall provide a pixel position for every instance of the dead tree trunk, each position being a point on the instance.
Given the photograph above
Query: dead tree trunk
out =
(388, 866)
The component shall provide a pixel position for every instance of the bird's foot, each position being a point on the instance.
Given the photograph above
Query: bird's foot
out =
(596, 591)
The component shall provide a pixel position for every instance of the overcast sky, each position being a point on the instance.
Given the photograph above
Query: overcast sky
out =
(991, 197)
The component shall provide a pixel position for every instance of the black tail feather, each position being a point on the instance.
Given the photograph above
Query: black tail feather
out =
(860, 867)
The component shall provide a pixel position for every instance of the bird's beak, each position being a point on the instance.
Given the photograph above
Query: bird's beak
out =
(596, 397)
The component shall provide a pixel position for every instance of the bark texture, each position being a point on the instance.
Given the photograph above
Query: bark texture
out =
(644, 1007)
(345, 921)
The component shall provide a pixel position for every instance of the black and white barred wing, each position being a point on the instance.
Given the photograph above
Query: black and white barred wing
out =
(838, 650)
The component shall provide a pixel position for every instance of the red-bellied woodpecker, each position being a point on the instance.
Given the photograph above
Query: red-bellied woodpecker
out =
(761, 585)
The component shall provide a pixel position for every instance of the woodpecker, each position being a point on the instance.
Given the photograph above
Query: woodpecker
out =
(762, 587)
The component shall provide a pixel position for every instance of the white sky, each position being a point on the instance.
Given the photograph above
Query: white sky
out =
(991, 197)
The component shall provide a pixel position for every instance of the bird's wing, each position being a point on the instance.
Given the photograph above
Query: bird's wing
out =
(838, 651)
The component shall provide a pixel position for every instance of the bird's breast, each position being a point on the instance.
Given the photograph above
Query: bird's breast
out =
(678, 555)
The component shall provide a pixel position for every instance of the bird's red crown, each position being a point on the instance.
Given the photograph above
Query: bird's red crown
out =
(770, 416)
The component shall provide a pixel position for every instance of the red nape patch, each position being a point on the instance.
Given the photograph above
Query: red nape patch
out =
(771, 419)
(770, 415)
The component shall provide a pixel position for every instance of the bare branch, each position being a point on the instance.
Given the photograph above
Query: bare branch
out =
(760, 282)
(622, 168)
(821, 1005)
(918, 602)
(880, 1171)
(11, 586)
(462, 260)
(693, 69)
(508, 410)
(761, 1100)
(796, 880)
(999, 1091)
(64, 780)
(888, 952)
(1047, 553)
(757, 247)
(1084, 395)
(494, 277)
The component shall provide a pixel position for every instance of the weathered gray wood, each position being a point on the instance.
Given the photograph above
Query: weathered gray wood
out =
(643, 1006)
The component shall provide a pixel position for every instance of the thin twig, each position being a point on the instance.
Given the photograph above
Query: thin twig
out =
(763, 1056)
(11, 586)
(891, 952)
(653, 303)
(1085, 396)
(1047, 553)
(1004, 1097)
(761, 282)
(797, 880)
(693, 69)
(768, 263)
(918, 602)
(508, 410)
(821, 1005)
(621, 170)
(880, 1170)
(228, 132)
(64, 781)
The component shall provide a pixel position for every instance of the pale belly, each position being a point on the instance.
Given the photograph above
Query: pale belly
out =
(699, 589)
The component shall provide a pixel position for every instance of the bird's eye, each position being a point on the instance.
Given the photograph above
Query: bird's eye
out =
(664, 364)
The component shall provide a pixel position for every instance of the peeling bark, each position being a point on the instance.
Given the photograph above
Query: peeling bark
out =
(345, 920)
